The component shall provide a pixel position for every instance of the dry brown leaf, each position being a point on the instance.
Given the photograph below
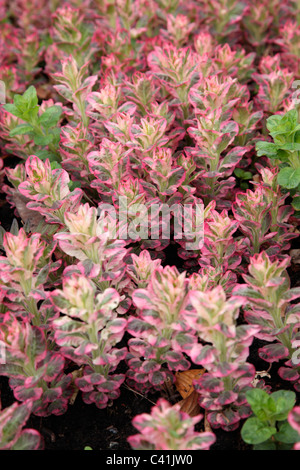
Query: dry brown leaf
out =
(33, 218)
(190, 404)
(43, 91)
(168, 387)
(184, 381)
(295, 256)
(207, 426)
(75, 374)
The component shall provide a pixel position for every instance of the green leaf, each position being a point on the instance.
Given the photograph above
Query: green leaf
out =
(55, 165)
(240, 173)
(283, 155)
(30, 97)
(284, 400)
(255, 432)
(296, 203)
(287, 434)
(292, 146)
(266, 148)
(289, 177)
(14, 228)
(55, 135)
(11, 427)
(261, 403)
(42, 139)
(42, 275)
(51, 116)
(43, 154)
(285, 124)
(12, 108)
(21, 130)
(267, 445)
(273, 122)
(27, 441)
(223, 142)
(74, 184)
(27, 104)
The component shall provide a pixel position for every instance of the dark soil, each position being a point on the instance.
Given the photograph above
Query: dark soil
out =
(85, 425)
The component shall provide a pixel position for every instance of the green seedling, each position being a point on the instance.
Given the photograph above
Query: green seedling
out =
(42, 127)
(284, 150)
(268, 428)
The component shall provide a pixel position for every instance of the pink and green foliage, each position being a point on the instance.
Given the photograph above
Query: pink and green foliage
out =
(258, 22)
(274, 84)
(71, 34)
(160, 334)
(221, 249)
(163, 174)
(122, 46)
(268, 295)
(289, 40)
(74, 86)
(35, 370)
(107, 102)
(29, 53)
(20, 145)
(13, 433)
(210, 277)
(169, 428)
(148, 133)
(47, 190)
(94, 242)
(74, 148)
(252, 210)
(177, 70)
(87, 334)
(141, 269)
(223, 18)
(179, 29)
(25, 272)
(214, 132)
(232, 62)
(109, 166)
(223, 350)
(281, 213)
(136, 208)
(141, 90)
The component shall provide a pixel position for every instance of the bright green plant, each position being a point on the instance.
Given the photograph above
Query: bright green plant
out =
(284, 150)
(268, 428)
(39, 123)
